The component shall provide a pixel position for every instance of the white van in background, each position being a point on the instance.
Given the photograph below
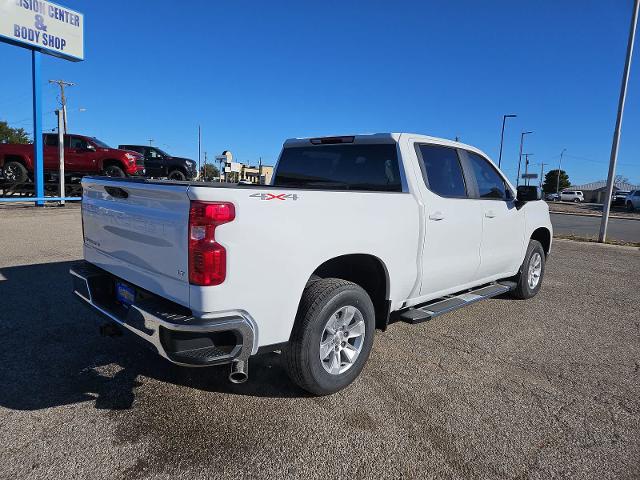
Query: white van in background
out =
(572, 196)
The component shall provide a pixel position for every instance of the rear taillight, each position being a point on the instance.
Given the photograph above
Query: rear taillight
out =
(207, 258)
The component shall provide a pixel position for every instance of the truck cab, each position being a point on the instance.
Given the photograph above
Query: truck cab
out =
(160, 164)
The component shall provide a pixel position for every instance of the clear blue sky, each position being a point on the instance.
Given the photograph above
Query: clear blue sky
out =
(255, 73)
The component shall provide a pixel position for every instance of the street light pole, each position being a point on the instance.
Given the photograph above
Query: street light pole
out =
(504, 119)
(558, 176)
(526, 167)
(520, 157)
(616, 134)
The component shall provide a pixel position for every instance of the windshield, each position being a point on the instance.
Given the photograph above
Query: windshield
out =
(340, 167)
(99, 143)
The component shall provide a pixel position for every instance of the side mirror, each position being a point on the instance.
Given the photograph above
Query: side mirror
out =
(90, 148)
(528, 193)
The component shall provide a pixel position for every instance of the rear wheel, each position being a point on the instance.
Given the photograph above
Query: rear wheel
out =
(332, 336)
(15, 172)
(630, 206)
(529, 278)
(114, 171)
(177, 175)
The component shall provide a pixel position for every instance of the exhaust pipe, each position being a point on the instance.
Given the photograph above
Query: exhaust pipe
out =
(110, 329)
(238, 371)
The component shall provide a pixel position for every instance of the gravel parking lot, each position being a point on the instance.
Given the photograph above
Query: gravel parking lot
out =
(543, 388)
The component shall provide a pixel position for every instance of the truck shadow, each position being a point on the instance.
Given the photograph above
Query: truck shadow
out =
(52, 354)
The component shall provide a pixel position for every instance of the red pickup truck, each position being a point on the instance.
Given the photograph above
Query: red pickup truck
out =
(82, 156)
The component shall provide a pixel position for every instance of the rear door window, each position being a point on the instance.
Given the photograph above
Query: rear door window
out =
(442, 171)
(51, 140)
(371, 167)
(490, 184)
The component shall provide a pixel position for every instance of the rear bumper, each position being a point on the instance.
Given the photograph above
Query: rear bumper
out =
(175, 334)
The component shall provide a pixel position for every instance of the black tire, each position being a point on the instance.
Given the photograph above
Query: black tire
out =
(321, 300)
(177, 175)
(114, 171)
(577, 200)
(629, 207)
(523, 290)
(15, 172)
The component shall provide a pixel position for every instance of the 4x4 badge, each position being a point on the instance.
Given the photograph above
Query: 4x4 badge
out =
(273, 196)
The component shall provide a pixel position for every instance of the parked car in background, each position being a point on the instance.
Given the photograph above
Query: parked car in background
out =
(354, 233)
(619, 197)
(552, 197)
(572, 196)
(632, 201)
(159, 164)
(82, 156)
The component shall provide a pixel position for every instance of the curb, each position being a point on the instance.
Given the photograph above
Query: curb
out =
(636, 219)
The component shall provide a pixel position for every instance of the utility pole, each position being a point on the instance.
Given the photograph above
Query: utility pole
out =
(520, 157)
(150, 142)
(198, 147)
(260, 171)
(542, 172)
(204, 169)
(616, 134)
(558, 176)
(63, 100)
(504, 118)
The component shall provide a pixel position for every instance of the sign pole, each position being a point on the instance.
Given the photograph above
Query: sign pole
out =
(616, 133)
(37, 126)
(61, 132)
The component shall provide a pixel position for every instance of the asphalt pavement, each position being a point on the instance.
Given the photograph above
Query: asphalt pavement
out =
(543, 388)
(625, 230)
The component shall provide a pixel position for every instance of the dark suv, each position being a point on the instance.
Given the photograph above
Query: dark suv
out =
(159, 164)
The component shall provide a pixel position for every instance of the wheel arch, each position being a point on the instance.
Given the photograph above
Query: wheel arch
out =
(112, 161)
(542, 235)
(365, 270)
(12, 157)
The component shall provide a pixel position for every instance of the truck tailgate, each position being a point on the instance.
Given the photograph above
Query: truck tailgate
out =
(138, 232)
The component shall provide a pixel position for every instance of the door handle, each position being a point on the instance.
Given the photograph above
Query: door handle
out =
(437, 216)
(489, 214)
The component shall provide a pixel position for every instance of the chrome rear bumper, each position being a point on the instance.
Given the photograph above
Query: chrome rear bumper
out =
(177, 335)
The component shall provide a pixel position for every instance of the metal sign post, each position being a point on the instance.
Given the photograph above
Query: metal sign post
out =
(61, 132)
(38, 169)
(616, 133)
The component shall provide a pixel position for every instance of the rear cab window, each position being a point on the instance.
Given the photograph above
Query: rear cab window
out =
(344, 166)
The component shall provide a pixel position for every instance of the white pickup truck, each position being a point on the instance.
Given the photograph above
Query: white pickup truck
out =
(354, 233)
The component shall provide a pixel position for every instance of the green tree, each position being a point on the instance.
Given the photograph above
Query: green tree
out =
(551, 181)
(209, 171)
(12, 135)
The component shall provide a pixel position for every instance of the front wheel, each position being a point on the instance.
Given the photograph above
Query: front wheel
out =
(177, 175)
(114, 171)
(332, 336)
(629, 206)
(529, 278)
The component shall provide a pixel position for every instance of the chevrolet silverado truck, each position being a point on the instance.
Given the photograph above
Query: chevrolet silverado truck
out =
(82, 156)
(159, 164)
(354, 233)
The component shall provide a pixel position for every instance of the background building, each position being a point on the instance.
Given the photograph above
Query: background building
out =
(595, 192)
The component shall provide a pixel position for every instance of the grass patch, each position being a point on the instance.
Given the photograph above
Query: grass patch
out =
(578, 238)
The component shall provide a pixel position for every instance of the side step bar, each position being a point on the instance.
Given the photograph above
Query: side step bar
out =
(425, 312)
